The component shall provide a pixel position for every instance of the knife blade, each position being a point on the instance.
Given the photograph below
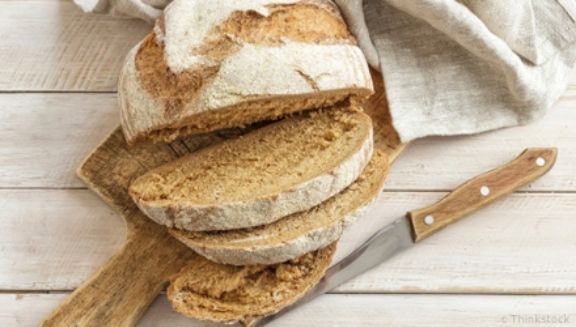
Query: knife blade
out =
(419, 224)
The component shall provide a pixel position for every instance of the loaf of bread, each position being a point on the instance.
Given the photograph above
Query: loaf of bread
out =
(209, 291)
(215, 64)
(259, 177)
(297, 234)
(224, 303)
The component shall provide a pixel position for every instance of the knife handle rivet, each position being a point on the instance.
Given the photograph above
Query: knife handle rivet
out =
(485, 190)
(429, 220)
(540, 161)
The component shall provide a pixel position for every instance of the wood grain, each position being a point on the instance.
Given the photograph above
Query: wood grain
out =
(346, 310)
(54, 239)
(482, 190)
(121, 290)
(36, 127)
(385, 137)
(54, 46)
(45, 137)
(522, 244)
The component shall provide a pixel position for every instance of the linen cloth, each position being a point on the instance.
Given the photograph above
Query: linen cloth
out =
(450, 66)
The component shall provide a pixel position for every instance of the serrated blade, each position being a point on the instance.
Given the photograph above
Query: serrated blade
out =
(384, 244)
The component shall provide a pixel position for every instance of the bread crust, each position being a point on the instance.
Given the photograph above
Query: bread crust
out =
(248, 59)
(284, 249)
(209, 297)
(276, 252)
(266, 209)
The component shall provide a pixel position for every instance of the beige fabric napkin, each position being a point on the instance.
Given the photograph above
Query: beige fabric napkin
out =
(468, 66)
(450, 66)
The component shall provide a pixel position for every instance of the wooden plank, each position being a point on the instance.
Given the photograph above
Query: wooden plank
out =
(54, 46)
(523, 244)
(425, 310)
(349, 310)
(137, 272)
(43, 137)
(54, 239)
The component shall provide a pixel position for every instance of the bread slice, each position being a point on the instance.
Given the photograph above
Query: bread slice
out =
(203, 307)
(224, 293)
(297, 234)
(259, 177)
(216, 64)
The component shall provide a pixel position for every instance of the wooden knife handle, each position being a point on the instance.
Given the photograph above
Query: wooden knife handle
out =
(481, 190)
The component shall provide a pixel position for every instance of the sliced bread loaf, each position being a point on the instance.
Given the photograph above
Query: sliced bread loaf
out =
(224, 293)
(216, 64)
(296, 234)
(259, 177)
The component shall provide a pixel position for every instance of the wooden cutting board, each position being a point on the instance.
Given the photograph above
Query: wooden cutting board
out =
(122, 289)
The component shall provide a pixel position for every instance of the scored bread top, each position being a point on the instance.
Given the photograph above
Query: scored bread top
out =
(216, 64)
(209, 291)
(296, 234)
(259, 177)
(187, 25)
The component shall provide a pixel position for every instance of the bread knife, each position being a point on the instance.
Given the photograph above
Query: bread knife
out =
(419, 224)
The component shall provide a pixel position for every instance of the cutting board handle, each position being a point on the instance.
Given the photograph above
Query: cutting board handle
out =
(119, 293)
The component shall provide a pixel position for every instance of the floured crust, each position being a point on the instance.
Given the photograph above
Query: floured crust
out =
(260, 177)
(294, 235)
(190, 74)
(223, 293)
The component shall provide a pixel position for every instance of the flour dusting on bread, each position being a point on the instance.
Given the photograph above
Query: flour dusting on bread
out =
(217, 64)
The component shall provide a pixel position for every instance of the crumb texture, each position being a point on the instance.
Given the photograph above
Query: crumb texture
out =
(296, 234)
(273, 171)
(260, 163)
(211, 291)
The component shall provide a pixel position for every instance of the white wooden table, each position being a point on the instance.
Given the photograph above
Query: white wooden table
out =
(58, 71)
